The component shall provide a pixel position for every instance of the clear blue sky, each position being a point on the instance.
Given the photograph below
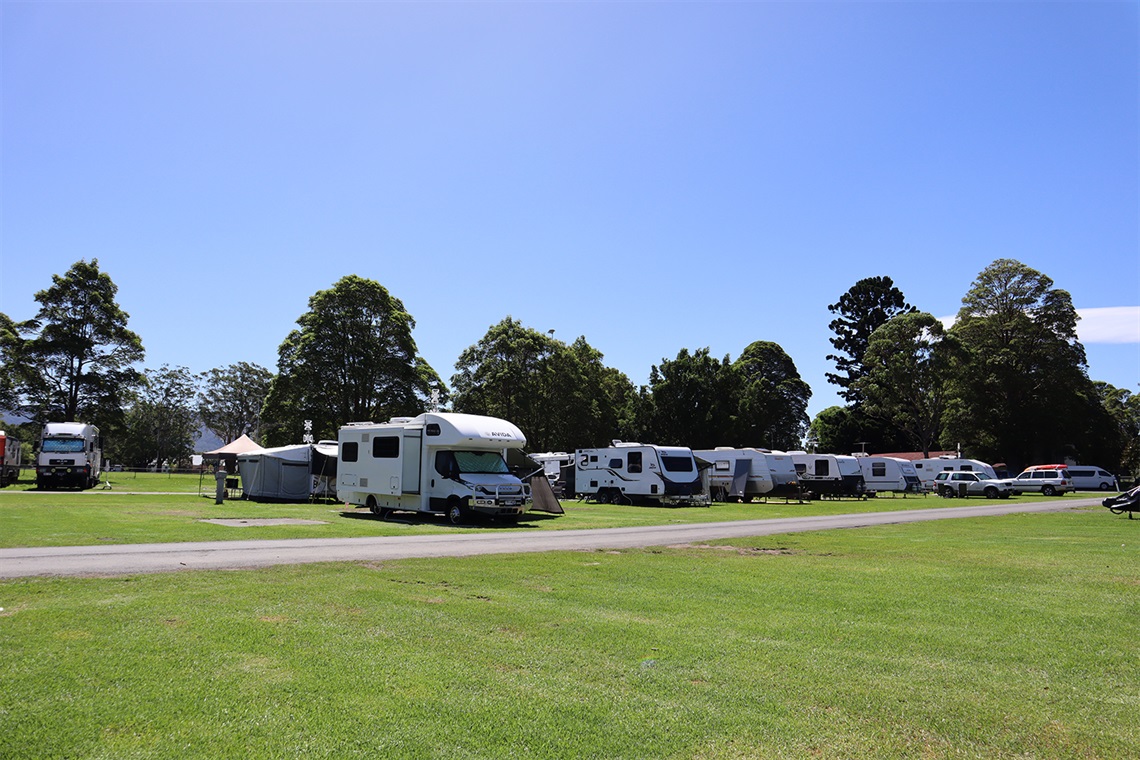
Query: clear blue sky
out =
(653, 176)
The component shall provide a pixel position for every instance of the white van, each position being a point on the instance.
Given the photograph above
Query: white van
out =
(1086, 478)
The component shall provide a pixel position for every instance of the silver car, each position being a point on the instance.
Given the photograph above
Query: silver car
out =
(949, 484)
(1048, 482)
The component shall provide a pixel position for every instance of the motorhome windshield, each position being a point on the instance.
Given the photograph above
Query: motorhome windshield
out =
(63, 445)
(677, 464)
(480, 462)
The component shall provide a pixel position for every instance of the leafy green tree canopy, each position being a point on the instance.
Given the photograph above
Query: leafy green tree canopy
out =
(161, 424)
(352, 359)
(231, 400)
(79, 354)
(773, 398)
(904, 379)
(1023, 389)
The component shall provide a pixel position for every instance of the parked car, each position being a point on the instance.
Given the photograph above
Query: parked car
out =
(1048, 481)
(949, 484)
(1087, 478)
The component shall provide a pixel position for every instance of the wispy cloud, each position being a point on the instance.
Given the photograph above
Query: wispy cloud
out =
(1107, 324)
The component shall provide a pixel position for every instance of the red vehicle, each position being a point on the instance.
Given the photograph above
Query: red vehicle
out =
(9, 459)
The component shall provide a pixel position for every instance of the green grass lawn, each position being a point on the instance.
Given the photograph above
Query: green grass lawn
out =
(146, 513)
(1015, 636)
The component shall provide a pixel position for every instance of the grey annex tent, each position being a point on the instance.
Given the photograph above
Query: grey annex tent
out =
(289, 473)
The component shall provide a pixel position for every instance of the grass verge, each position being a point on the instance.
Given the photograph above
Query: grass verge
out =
(1015, 636)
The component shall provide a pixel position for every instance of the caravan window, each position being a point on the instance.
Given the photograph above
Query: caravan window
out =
(635, 461)
(616, 463)
(348, 451)
(386, 447)
(967, 467)
(677, 464)
(878, 469)
(823, 467)
(722, 465)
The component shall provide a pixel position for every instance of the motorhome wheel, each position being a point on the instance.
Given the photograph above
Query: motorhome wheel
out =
(456, 513)
(373, 507)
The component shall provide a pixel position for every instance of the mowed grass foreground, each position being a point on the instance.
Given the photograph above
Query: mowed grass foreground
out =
(1015, 636)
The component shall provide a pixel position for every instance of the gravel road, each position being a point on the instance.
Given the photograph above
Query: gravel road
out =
(129, 559)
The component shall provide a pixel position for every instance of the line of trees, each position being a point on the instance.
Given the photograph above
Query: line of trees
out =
(1008, 381)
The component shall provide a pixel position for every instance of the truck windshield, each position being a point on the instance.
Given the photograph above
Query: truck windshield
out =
(480, 461)
(63, 445)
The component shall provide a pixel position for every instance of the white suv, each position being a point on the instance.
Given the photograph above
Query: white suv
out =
(1049, 482)
(950, 484)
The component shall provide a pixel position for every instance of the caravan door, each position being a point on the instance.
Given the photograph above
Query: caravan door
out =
(412, 462)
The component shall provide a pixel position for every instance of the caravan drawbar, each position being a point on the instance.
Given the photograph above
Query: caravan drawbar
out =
(439, 462)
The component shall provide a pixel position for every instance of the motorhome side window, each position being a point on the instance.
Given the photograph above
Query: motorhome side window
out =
(386, 447)
(445, 464)
(677, 464)
(432, 428)
(635, 461)
(348, 451)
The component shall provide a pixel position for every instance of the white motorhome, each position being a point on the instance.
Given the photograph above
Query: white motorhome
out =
(70, 456)
(636, 473)
(9, 459)
(437, 462)
(829, 474)
(928, 469)
(888, 474)
(748, 473)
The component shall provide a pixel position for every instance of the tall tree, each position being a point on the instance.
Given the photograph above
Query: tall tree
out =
(562, 396)
(904, 376)
(773, 398)
(507, 374)
(80, 353)
(161, 424)
(231, 399)
(692, 400)
(10, 380)
(1024, 387)
(868, 305)
(352, 359)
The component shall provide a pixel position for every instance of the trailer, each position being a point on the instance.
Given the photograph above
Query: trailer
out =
(637, 473)
(70, 456)
(9, 459)
(748, 473)
(829, 474)
(439, 463)
(888, 474)
(927, 469)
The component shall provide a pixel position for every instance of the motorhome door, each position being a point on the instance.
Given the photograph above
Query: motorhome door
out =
(410, 474)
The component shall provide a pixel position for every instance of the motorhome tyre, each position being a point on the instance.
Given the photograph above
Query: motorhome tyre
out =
(456, 514)
(373, 507)
(1049, 490)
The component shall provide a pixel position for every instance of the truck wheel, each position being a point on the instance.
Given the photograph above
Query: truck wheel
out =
(1049, 491)
(373, 507)
(456, 514)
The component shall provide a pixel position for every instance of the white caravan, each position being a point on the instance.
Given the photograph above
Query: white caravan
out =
(928, 469)
(748, 473)
(829, 474)
(888, 474)
(437, 462)
(636, 473)
(70, 456)
(552, 463)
